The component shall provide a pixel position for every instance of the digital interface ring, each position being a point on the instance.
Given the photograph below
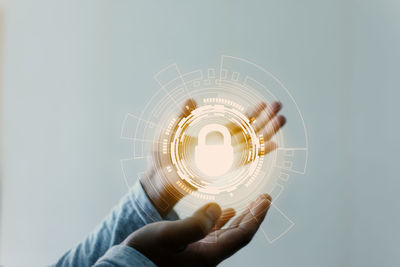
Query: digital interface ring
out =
(223, 96)
(249, 156)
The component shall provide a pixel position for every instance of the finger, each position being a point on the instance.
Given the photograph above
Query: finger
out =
(237, 220)
(252, 114)
(189, 105)
(253, 219)
(226, 215)
(268, 148)
(236, 238)
(266, 115)
(194, 228)
(259, 116)
(255, 111)
(273, 127)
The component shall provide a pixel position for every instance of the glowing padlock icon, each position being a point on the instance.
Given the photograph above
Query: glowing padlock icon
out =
(214, 160)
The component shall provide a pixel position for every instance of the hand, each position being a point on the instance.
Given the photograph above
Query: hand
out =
(163, 192)
(266, 123)
(199, 239)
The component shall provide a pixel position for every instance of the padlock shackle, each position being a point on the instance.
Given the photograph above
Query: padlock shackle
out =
(209, 128)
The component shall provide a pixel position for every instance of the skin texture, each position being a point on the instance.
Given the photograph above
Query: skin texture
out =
(199, 240)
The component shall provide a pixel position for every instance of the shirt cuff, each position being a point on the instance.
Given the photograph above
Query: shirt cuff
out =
(144, 207)
(121, 255)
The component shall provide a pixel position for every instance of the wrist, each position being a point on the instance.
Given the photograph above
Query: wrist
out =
(159, 194)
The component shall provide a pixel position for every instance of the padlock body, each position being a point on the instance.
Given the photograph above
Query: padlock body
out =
(214, 160)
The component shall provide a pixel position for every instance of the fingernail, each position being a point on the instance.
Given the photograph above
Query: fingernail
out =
(213, 211)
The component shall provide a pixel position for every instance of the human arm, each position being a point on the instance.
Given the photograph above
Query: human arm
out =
(156, 194)
(198, 240)
(132, 212)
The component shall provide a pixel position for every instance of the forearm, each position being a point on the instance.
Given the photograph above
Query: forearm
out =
(133, 211)
(159, 193)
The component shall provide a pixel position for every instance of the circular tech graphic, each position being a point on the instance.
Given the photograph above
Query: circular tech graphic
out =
(202, 138)
(210, 168)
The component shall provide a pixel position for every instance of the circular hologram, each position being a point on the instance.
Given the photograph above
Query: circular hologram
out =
(244, 148)
(213, 149)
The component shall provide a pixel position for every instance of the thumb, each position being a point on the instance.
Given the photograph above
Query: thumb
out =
(196, 227)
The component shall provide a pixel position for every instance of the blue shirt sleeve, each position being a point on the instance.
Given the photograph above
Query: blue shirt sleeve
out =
(133, 211)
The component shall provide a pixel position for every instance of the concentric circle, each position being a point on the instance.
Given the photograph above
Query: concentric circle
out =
(243, 137)
(224, 93)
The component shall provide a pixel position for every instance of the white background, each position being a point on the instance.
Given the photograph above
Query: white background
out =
(72, 69)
